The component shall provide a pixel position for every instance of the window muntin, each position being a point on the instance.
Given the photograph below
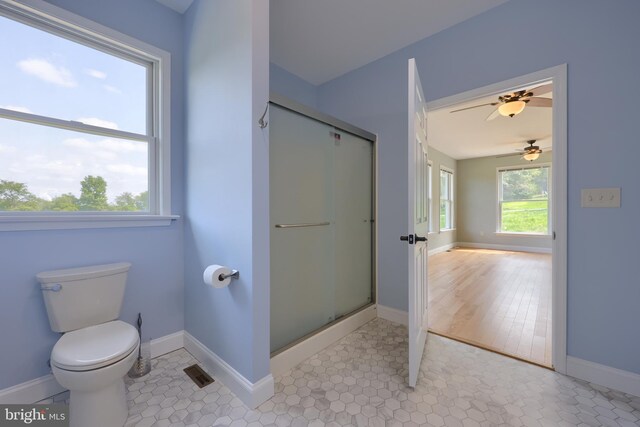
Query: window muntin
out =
(446, 199)
(523, 200)
(53, 86)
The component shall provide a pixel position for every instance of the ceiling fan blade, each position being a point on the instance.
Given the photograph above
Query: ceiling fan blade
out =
(540, 102)
(509, 155)
(493, 115)
(475, 106)
(541, 90)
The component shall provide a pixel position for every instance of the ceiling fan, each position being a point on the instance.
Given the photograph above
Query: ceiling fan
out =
(530, 152)
(513, 103)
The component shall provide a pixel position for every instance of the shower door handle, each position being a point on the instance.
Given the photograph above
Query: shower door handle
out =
(302, 225)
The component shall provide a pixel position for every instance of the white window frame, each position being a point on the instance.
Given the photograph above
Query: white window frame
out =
(451, 199)
(44, 16)
(499, 200)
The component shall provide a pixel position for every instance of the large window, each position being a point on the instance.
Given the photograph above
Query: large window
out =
(446, 199)
(523, 200)
(80, 121)
(430, 196)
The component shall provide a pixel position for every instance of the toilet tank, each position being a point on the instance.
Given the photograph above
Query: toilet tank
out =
(79, 297)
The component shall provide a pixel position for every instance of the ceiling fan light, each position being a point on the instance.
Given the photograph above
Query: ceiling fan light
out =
(531, 156)
(511, 108)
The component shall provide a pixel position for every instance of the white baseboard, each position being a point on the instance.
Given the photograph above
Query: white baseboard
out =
(46, 386)
(393, 315)
(167, 344)
(607, 376)
(442, 248)
(31, 391)
(251, 394)
(513, 248)
(291, 357)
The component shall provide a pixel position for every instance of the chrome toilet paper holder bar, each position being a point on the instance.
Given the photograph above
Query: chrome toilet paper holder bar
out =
(235, 274)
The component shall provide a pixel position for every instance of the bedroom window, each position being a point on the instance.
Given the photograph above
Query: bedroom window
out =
(430, 196)
(523, 200)
(82, 119)
(446, 199)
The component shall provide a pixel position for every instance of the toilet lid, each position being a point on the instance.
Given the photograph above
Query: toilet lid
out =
(95, 346)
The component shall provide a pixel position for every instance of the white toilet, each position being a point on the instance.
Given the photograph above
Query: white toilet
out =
(97, 350)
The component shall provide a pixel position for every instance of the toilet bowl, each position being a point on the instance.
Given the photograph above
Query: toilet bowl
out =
(91, 363)
(96, 351)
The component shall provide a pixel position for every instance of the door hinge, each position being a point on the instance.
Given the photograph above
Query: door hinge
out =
(553, 234)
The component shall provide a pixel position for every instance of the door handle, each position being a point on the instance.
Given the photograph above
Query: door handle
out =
(411, 238)
(408, 238)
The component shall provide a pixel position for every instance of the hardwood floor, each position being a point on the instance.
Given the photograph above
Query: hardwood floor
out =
(498, 300)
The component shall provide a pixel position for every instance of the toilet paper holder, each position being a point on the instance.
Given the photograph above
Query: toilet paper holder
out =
(235, 274)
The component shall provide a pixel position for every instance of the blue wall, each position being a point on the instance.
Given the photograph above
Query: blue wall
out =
(155, 285)
(599, 41)
(227, 179)
(287, 84)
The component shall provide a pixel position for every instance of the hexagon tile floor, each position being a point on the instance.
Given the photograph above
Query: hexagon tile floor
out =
(361, 379)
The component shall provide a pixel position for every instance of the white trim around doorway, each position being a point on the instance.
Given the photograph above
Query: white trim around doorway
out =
(558, 75)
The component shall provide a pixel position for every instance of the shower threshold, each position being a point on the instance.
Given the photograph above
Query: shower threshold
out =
(293, 354)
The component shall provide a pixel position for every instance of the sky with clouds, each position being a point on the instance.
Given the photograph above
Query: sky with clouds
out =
(44, 74)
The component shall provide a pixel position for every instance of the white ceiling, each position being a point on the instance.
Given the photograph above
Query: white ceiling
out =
(467, 134)
(319, 40)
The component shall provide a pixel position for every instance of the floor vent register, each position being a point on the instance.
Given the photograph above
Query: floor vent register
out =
(198, 376)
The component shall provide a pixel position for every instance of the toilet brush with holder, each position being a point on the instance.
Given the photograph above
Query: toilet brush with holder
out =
(142, 364)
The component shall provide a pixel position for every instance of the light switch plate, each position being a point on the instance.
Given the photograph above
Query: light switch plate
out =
(600, 197)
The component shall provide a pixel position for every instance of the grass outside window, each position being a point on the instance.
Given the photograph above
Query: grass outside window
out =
(527, 216)
(523, 195)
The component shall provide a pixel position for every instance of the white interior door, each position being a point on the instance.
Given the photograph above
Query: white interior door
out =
(418, 176)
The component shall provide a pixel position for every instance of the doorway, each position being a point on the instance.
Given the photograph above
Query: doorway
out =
(491, 299)
(501, 285)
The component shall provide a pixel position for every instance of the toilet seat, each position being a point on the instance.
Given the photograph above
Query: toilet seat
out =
(95, 346)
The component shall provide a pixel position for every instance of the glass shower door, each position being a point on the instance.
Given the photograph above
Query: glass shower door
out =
(321, 224)
(353, 216)
(302, 271)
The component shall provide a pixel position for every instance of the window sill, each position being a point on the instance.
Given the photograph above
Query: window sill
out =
(509, 234)
(70, 222)
(444, 230)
